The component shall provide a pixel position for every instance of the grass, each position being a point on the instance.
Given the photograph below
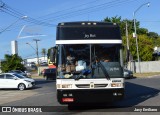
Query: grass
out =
(146, 74)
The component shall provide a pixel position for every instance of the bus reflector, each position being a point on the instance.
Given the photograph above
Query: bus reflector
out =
(67, 99)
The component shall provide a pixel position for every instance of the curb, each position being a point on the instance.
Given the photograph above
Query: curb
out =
(148, 76)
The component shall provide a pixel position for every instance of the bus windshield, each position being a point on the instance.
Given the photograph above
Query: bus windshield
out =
(89, 61)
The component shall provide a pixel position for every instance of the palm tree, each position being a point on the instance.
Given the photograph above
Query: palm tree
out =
(12, 62)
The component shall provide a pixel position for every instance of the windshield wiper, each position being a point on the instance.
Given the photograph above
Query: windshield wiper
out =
(104, 71)
(77, 77)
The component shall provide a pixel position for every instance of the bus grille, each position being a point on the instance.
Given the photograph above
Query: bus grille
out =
(88, 85)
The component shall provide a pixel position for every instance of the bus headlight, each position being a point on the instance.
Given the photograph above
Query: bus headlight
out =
(116, 85)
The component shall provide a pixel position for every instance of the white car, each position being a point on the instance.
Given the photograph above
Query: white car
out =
(13, 80)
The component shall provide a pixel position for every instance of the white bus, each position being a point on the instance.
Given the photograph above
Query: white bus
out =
(89, 63)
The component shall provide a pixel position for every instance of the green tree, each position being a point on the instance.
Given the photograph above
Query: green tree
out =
(117, 20)
(12, 62)
(156, 41)
(145, 42)
(122, 24)
(145, 48)
(145, 45)
(153, 35)
(142, 31)
(114, 19)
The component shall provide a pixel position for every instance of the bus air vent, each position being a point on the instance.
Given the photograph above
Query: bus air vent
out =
(83, 85)
(100, 85)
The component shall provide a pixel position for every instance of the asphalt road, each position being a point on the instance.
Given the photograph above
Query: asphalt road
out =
(138, 92)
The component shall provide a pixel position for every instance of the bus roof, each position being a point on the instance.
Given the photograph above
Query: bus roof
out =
(88, 32)
(87, 23)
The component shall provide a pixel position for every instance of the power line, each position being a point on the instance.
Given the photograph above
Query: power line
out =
(94, 8)
(30, 55)
(150, 21)
(68, 9)
(6, 9)
(89, 9)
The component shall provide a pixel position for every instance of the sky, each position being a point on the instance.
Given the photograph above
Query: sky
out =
(25, 20)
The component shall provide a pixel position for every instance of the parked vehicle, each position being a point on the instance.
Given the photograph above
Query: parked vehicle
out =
(128, 74)
(44, 64)
(49, 73)
(13, 80)
(28, 73)
(20, 72)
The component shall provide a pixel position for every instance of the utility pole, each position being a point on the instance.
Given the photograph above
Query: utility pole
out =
(135, 32)
(127, 35)
(37, 40)
(127, 42)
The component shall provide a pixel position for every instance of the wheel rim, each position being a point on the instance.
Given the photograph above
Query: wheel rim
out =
(21, 87)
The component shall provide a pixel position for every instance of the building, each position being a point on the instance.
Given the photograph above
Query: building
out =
(34, 60)
(14, 47)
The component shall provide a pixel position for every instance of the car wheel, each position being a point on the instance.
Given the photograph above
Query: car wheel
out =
(21, 86)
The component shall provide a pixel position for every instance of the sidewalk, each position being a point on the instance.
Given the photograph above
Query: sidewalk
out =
(146, 75)
(36, 76)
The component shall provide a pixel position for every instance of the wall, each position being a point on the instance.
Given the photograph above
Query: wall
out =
(41, 59)
(145, 67)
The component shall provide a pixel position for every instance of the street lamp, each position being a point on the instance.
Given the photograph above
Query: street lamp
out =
(37, 40)
(23, 17)
(135, 31)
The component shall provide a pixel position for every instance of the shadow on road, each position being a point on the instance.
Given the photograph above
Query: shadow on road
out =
(41, 81)
(134, 94)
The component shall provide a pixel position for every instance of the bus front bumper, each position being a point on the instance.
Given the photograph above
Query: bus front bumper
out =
(89, 95)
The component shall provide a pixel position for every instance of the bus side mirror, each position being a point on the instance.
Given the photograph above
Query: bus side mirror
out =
(52, 54)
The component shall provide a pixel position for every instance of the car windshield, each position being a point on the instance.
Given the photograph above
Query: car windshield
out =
(87, 61)
(19, 76)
